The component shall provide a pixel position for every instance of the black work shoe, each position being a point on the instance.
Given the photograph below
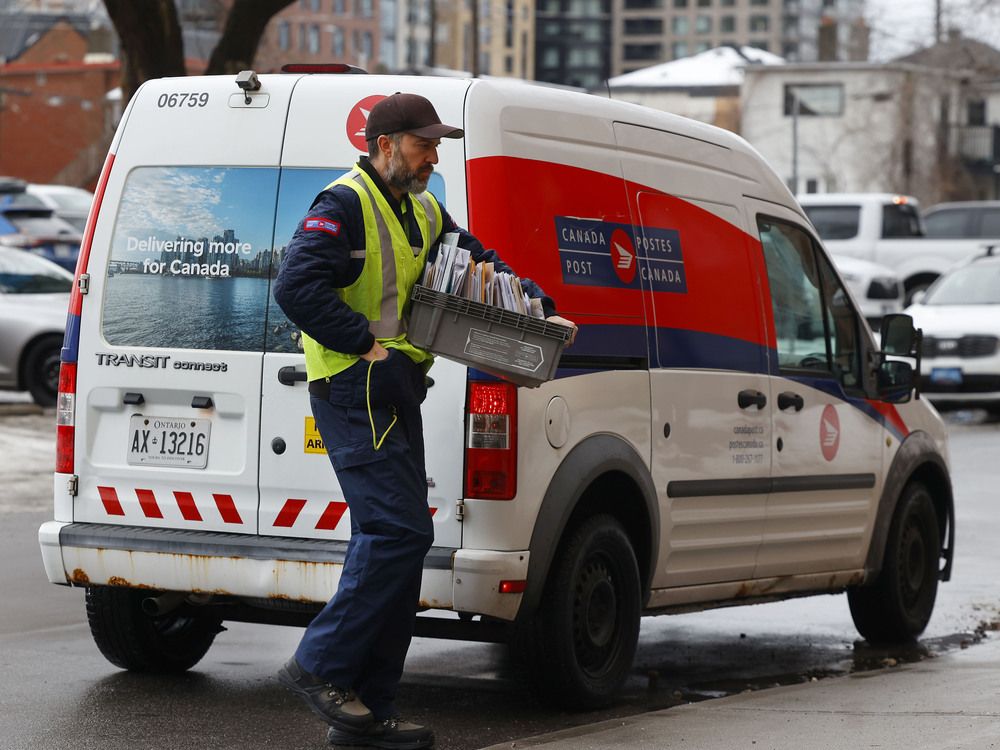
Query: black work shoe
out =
(392, 734)
(336, 706)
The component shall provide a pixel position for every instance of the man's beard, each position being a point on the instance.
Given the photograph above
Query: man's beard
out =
(401, 177)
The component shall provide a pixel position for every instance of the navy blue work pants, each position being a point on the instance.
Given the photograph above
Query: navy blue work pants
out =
(360, 639)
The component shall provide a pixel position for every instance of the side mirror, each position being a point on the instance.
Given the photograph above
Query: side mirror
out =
(899, 336)
(895, 381)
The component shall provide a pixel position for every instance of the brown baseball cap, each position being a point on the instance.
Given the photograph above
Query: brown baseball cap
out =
(407, 113)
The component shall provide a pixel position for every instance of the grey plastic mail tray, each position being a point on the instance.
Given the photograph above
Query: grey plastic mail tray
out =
(517, 347)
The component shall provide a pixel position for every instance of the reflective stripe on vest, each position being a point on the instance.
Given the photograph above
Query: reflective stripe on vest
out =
(392, 266)
(391, 321)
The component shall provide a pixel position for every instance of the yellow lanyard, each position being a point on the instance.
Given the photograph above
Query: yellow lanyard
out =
(376, 441)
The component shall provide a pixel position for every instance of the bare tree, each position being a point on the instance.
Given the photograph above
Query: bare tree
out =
(245, 26)
(153, 47)
(151, 41)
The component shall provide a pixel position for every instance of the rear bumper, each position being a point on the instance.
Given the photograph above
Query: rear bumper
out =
(244, 565)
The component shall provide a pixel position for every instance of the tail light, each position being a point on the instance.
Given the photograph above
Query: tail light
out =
(66, 418)
(321, 68)
(66, 401)
(491, 447)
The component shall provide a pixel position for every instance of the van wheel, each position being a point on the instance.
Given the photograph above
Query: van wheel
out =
(898, 605)
(133, 640)
(579, 647)
(41, 370)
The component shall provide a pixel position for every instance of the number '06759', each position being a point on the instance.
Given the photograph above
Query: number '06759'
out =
(194, 99)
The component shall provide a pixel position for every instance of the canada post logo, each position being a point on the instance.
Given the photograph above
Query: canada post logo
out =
(620, 256)
(357, 121)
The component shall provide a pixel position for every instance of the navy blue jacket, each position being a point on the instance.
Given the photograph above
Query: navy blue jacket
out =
(318, 260)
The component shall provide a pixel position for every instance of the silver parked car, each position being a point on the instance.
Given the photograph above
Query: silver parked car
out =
(69, 203)
(34, 297)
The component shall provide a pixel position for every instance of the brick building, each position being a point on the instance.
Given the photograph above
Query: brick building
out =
(56, 115)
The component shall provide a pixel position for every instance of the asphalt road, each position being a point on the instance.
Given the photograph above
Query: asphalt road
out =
(57, 691)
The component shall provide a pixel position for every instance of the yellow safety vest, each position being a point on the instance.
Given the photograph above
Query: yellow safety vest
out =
(392, 266)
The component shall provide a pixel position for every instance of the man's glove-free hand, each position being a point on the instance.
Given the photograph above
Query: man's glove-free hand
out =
(559, 320)
(377, 352)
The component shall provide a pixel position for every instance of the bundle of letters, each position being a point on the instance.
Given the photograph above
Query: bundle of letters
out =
(454, 272)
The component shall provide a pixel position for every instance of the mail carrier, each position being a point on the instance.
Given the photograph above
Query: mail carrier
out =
(724, 430)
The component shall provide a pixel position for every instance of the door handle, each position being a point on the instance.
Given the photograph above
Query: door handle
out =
(750, 397)
(788, 400)
(290, 376)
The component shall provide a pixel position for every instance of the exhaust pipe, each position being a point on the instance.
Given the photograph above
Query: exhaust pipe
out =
(155, 606)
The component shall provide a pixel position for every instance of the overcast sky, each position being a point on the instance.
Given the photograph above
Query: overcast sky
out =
(901, 26)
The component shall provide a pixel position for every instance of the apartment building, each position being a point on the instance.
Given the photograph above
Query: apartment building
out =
(646, 32)
(323, 31)
(505, 42)
(573, 41)
(389, 36)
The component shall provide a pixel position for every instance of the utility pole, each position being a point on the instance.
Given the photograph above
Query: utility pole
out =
(475, 38)
(795, 141)
(432, 35)
(937, 21)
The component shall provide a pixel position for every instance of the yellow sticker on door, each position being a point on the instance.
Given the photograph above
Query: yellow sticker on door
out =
(314, 443)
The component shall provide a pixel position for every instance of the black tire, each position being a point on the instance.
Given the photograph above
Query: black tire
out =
(579, 647)
(898, 605)
(41, 370)
(133, 640)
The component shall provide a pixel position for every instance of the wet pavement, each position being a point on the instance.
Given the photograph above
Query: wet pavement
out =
(57, 691)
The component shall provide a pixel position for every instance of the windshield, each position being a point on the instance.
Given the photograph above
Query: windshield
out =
(24, 273)
(72, 201)
(900, 220)
(834, 222)
(43, 224)
(23, 202)
(977, 284)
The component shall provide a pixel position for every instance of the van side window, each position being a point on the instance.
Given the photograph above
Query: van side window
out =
(816, 326)
(190, 258)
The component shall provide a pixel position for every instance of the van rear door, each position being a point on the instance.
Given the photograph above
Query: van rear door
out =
(168, 387)
(300, 495)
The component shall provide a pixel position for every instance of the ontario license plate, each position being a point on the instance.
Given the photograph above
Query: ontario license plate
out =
(946, 375)
(168, 441)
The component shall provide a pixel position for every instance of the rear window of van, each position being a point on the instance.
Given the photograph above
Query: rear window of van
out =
(191, 258)
(194, 250)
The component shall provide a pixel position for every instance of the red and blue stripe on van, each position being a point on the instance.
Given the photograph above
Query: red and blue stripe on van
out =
(643, 306)
(66, 403)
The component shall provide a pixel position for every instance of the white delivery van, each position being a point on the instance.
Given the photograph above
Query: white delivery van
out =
(723, 431)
